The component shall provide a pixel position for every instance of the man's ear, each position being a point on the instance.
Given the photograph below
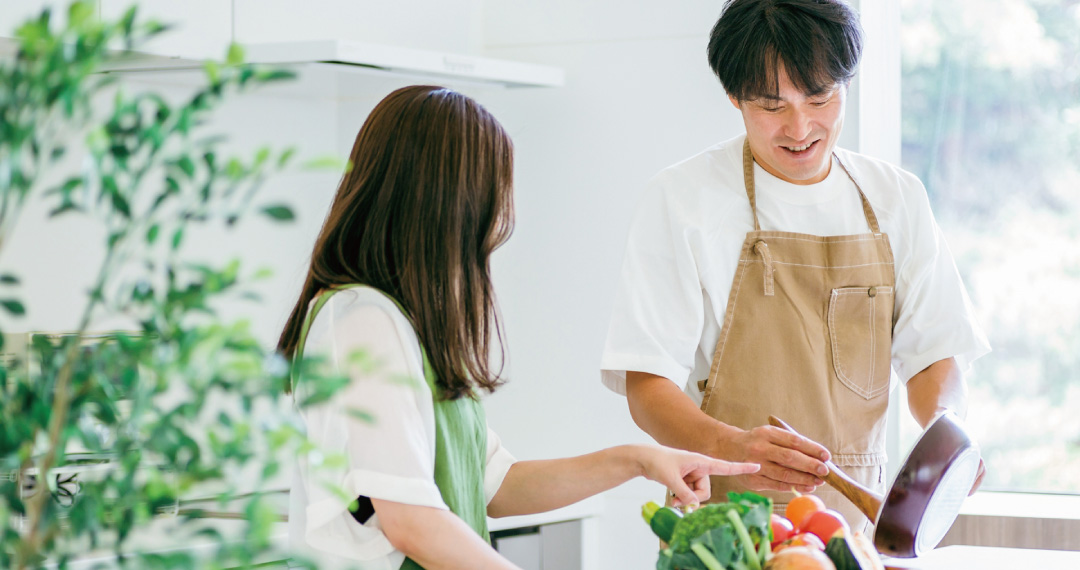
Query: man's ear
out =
(734, 101)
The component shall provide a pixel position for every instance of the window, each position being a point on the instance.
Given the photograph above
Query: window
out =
(991, 125)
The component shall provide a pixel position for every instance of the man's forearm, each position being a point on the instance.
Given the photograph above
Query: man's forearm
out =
(673, 419)
(937, 388)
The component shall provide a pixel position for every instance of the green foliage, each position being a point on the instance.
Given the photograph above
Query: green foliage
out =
(143, 408)
(732, 532)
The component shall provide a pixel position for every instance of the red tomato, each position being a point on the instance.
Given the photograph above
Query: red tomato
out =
(823, 524)
(804, 539)
(782, 529)
(802, 507)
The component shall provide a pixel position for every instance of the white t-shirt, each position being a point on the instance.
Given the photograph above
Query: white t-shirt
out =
(683, 250)
(391, 458)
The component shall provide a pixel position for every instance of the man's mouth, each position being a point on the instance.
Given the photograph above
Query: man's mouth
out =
(800, 149)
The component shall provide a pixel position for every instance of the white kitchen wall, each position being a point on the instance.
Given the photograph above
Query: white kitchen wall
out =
(448, 25)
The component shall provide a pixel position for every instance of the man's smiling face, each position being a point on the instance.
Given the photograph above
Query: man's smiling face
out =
(792, 136)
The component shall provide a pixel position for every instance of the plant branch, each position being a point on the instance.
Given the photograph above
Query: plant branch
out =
(58, 419)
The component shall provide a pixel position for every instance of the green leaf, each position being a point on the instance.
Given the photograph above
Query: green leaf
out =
(270, 470)
(9, 279)
(235, 55)
(213, 71)
(64, 207)
(79, 13)
(183, 123)
(285, 157)
(154, 28)
(177, 238)
(152, 234)
(115, 238)
(325, 163)
(187, 166)
(363, 416)
(120, 204)
(279, 212)
(270, 75)
(260, 157)
(234, 169)
(13, 306)
(127, 22)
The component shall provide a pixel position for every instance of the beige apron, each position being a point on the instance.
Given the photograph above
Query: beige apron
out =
(807, 337)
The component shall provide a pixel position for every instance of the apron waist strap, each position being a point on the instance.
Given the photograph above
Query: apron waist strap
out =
(859, 459)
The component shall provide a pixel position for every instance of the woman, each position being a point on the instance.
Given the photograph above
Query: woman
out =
(400, 271)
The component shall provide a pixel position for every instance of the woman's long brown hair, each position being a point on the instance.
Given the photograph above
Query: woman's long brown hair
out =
(428, 199)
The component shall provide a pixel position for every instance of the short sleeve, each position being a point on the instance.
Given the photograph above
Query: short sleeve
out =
(382, 423)
(658, 312)
(934, 318)
(497, 466)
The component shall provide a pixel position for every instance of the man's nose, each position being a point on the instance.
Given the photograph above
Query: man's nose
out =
(797, 125)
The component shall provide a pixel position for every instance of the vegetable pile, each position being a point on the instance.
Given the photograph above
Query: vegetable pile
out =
(721, 536)
(744, 534)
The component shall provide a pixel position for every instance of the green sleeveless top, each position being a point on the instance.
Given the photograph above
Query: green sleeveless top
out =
(460, 440)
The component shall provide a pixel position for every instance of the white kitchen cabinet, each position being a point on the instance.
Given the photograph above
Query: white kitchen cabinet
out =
(555, 546)
(202, 29)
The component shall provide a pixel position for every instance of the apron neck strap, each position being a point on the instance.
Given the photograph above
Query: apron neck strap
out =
(871, 218)
(298, 353)
(748, 181)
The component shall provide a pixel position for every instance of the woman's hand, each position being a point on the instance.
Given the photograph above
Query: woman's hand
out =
(686, 473)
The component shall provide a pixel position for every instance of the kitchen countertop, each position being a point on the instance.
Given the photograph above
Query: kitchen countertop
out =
(986, 558)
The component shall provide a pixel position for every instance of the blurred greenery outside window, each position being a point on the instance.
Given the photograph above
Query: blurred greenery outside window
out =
(991, 125)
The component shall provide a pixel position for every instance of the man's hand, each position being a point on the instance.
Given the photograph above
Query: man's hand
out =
(978, 478)
(788, 460)
(938, 388)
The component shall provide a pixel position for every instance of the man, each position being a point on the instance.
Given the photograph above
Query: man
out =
(775, 274)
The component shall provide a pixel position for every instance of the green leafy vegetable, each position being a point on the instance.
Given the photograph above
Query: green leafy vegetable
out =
(721, 536)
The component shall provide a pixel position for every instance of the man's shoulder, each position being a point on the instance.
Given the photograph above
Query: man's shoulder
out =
(871, 170)
(714, 167)
(895, 193)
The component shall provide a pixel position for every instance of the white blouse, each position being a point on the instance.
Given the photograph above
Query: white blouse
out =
(362, 333)
(683, 250)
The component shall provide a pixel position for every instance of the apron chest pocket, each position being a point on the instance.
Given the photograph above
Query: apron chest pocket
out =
(860, 335)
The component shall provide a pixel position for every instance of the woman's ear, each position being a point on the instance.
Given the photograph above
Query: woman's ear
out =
(734, 101)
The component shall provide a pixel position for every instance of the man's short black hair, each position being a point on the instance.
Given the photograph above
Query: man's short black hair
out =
(818, 42)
